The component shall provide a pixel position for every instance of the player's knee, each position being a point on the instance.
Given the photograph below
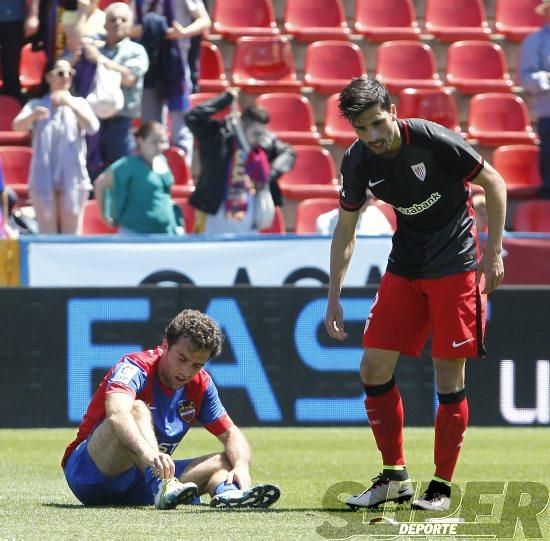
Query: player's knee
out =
(449, 375)
(374, 371)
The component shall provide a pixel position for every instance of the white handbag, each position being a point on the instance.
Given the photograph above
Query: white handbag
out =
(106, 98)
(264, 208)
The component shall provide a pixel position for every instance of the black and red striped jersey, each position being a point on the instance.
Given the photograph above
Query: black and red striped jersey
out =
(428, 184)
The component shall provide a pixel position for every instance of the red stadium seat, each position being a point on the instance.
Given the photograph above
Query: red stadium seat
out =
(388, 20)
(278, 226)
(520, 168)
(478, 66)
(452, 20)
(435, 104)
(92, 224)
(9, 109)
(200, 97)
(264, 64)
(313, 175)
(337, 127)
(496, 119)
(212, 70)
(309, 210)
(330, 65)
(532, 216)
(312, 20)
(244, 18)
(516, 19)
(16, 163)
(183, 182)
(188, 212)
(290, 117)
(404, 64)
(31, 67)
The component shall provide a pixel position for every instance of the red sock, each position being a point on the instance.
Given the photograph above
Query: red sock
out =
(385, 413)
(450, 424)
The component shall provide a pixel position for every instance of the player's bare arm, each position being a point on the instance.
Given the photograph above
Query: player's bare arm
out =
(118, 412)
(237, 451)
(491, 264)
(343, 244)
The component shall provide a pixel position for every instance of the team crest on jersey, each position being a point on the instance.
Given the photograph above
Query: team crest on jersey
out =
(419, 170)
(187, 410)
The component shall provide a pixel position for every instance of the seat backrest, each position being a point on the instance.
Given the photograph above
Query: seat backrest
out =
(517, 13)
(309, 210)
(264, 59)
(475, 59)
(178, 165)
(16, 163)
(314, 165)
(390, 13)
(278, 226)
(211, 62)
(455, 12)
(494, 111)
(9, 109)
(188, 212)
(333, 59)
(333, 117)
(315, 13)
(405, 60)
(518, 164)
(287, 112)
(245, 13)
(532, 216)
(31, 66)
(92, 224)
(435, 104)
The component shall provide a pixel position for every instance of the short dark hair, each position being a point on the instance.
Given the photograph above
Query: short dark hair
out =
(146, 128)
(201, 329)
(362, 94)
(255, 114)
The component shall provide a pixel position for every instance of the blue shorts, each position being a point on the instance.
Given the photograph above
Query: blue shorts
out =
(91, 487)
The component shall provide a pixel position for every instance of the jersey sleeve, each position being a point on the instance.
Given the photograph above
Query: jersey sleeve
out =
(126, 377)
(352, 192)
(453, 149)
(212, 414)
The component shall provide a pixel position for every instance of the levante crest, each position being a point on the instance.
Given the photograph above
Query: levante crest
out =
(187, 410)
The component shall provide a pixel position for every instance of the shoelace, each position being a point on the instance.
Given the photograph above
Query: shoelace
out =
(380, 479)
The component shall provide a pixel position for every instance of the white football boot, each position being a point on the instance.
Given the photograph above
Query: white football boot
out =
(382, 490)
(259, 497)
(432, 501)
(172, 492)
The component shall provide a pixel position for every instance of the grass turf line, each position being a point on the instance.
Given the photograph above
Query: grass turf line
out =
(35, 502)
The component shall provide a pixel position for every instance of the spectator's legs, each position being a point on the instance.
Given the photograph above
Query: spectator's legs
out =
(11, 42)
(181, 134)
(69, 222)
(46, 214)
(193, 58)
(151, 105)
(544, 134)
(115, 139)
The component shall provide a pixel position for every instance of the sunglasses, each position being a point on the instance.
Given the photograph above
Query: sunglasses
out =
(64, 73)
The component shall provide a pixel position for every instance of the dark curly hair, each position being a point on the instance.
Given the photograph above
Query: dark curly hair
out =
(362, 94)
(202, 330)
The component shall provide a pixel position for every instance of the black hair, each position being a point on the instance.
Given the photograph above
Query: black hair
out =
(199, 328)
(50, 65)
(255, 114)
(362, 94)
(146, 128)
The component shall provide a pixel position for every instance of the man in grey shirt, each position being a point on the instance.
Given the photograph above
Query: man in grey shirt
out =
(535, 78)
(130, 60)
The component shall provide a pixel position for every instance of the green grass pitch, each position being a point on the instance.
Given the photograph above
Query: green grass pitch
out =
(35, 502)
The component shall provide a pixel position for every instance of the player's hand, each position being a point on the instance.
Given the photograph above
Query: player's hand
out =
(240, 475)
(334, 320)
(492, 267)
(162, 465)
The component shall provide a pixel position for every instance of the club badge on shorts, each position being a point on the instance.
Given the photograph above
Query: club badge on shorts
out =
(419, 169)
(187, 410)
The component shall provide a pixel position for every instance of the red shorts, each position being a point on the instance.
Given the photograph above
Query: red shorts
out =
(405, 311)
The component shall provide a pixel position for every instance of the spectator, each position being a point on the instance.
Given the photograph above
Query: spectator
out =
(166, 31)
(140, 186)
(58, 180)
(535, 78)
(86, 20)
(130, 60)
(223, 195)
(16, 24)
(193, 57)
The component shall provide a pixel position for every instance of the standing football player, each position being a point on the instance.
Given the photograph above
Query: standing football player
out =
(141, 411)
(434, 283)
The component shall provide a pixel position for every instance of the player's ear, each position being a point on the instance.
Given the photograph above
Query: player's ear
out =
(164, 344)
(393, 112)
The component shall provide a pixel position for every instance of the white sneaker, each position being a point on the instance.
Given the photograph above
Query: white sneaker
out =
(172, 492)
(259, 497)
(432, 501)
(382, 490)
